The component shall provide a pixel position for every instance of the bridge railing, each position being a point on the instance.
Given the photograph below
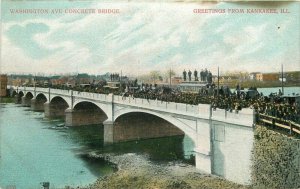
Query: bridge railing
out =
(274, 122)
(157, 104)
(242, 117)
(44, 90)
(61, 91)
(29, 89)
(90, 95)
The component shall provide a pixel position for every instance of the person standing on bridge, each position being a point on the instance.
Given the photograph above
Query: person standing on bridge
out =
(184, 75)
(190, 75)
(196, 75)
(202, 75)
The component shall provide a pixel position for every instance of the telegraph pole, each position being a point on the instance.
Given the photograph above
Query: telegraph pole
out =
(218, 83)
(282, 89)
(121, 77)
(170, 76)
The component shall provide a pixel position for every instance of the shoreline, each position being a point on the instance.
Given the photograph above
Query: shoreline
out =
(6, 99)
(259, 84)
(138, 171)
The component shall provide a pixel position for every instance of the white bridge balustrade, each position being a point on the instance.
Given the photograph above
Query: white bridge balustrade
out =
(173, 107)
(61, 92)
(209, 129)
(88, 95)
(243, 117)
(43, 90)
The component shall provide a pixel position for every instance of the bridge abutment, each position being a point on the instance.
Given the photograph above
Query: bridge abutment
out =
(83, 117)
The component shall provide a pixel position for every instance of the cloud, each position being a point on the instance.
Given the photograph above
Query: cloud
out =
(23, 36)
(142, 38)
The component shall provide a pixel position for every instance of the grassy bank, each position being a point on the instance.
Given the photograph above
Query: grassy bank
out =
(276, 160)
(6, 99)
(125, 179)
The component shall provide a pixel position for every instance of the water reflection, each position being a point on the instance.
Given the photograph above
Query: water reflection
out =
(158, 149)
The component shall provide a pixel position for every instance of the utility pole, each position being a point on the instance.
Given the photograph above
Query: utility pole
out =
(121, 77)
(218, 83)
(121, 82)
(282, 89)
(170, 77)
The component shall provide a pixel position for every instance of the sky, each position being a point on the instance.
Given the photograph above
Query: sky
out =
(148, 36)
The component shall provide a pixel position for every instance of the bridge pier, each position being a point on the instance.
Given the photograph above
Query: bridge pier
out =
(54, 110)
(108, 132)
(18, 99)
(37, 105)
(83, 117)
(26, 101)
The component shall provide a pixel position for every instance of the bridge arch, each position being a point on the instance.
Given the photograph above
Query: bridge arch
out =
(105, 107)
(85, 113)
(60, 99)
(81, 104)
(18, 97)
(56, 107)
(28, 95)
(21, 93)
(37, 104)
(13, 93)
(41, 97)
(174, 121)
(26, 99)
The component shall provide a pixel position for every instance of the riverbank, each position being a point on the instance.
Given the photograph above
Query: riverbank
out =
(6, 99)
(277, 158)
(137, 171)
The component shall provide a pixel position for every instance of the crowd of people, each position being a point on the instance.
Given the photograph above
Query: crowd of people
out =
(272, 105)
(275, 107)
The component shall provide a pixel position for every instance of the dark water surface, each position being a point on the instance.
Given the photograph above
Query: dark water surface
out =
(34, 150)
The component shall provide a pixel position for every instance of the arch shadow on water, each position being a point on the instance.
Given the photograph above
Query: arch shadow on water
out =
(168, 148)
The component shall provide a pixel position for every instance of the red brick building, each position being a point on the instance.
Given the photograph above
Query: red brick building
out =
(3, 85)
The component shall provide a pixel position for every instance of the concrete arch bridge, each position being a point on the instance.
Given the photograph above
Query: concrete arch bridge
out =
(218, 135)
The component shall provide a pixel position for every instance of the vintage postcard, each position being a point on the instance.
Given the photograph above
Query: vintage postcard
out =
(149, 94)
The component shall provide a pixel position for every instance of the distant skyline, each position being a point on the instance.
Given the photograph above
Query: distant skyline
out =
(148, 36)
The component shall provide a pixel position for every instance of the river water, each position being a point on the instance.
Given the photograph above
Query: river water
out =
(34, 150)
(287, 90)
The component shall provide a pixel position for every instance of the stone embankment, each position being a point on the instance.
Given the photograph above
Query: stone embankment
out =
(276, 160)
(137, 171)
